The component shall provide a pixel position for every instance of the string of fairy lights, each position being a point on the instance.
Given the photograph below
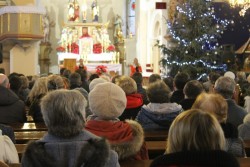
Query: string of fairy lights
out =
(222, 67)
(220, 24)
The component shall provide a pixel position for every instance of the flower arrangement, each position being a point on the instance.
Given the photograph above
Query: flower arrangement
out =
(60, 49)
(101, 69)
(97, 48)
(110, 48)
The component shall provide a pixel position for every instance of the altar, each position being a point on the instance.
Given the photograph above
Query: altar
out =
(89, 42)
(93, 60)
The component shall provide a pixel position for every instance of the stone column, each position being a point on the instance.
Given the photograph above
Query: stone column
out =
(44, 60)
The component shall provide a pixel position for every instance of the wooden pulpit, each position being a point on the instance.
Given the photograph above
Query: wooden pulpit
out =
(69, 64)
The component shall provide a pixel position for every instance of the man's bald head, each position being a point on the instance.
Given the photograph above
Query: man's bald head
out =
(4, 81)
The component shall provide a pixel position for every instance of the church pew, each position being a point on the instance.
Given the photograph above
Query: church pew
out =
(26, 136)
(155, 148)
(135, 163)
(247, 147)
(29, 126)
(155, 135)
(244, 162)
(15, 165)
(20, 149)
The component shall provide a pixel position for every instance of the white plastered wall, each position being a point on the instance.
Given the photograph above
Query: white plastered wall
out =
(24, 58)
(151, 26)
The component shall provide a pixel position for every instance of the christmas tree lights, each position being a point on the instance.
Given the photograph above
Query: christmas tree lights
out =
(194, 33)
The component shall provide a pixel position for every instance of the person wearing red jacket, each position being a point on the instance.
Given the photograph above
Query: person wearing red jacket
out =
(107, 102)
(81, 65)
(135, 67)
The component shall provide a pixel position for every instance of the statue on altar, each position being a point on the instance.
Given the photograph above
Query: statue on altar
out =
(71, 11)
(76, 12)
(95, 11)
(105, 38)
(84, 12)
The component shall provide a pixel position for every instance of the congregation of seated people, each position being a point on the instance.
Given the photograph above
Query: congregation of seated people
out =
(101, 120)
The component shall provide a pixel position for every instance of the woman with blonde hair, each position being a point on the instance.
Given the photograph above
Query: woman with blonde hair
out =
(134, 99)
(195, 130)
(37, 92)
(213, 103)
(135, 67)
(191, 142)
(217, 106)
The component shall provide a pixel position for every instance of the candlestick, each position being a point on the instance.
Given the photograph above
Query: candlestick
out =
(118, 57)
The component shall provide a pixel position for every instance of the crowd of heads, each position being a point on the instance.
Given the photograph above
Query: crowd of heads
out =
(64, 103)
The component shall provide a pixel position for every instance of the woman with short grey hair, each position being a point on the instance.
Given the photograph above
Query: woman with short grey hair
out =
(67, 144)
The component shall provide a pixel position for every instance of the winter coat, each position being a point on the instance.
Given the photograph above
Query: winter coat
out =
(236, 113)
(244, 131)
(12, 109)
(156, 116)
(8, 153)
(126, 138)
(209, 158)
(83, 150)
(177, 96)
(142, 91)
(187, 103)
(8, 131)
(234, 144)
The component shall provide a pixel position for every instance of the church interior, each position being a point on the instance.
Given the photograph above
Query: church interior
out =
(124, 83)
(36, 34)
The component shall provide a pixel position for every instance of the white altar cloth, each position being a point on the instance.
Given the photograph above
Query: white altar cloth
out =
(62, 56)
(91, 57)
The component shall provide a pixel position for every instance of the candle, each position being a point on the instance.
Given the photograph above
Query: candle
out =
(118, 57)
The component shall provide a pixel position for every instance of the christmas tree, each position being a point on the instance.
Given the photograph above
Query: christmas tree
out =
(193, 48)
